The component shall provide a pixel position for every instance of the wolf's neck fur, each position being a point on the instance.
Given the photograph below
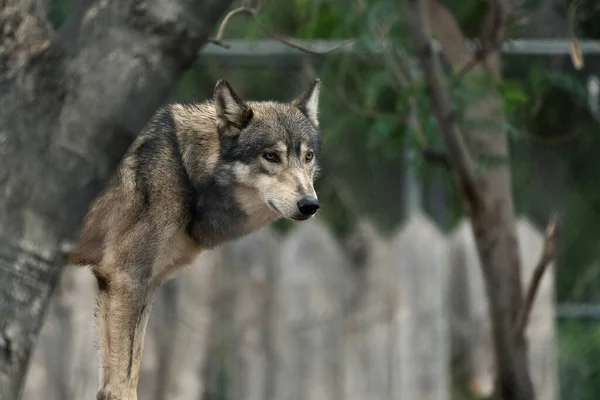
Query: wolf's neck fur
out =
(222, 209)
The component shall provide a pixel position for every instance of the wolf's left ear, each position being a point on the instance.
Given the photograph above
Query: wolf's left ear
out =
(233, 114)
(308, 102)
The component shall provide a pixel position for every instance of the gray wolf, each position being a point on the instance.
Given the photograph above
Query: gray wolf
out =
(197, 176)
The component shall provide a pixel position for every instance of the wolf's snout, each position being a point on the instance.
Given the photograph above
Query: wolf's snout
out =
(308, 206)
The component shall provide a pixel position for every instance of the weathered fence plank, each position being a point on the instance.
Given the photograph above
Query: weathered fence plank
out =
(370, 338)
(63, 365)
(313, 290)
(254, 264)
(191, 328)
(420, 263)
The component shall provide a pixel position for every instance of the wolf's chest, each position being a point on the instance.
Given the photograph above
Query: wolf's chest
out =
(216, 215)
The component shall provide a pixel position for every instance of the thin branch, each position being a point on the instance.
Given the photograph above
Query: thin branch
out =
(290, 42)
(547, 256)
(494, 42)
(478, 57)
(253, 12)
(458, 153)
(218, 40)
(493, 32)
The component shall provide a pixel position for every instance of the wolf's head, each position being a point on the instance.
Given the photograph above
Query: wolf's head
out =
(272, 149)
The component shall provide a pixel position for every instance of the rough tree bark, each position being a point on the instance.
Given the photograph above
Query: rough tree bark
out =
(70, 103)
(487, 195)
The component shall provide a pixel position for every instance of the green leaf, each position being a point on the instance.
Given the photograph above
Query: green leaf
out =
(513, 91)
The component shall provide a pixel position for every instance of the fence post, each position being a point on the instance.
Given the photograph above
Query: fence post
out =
(63, 365)
(420, 263)
(78, 298)
(369, 338)
(190, 336)
(313, 291)
(253, 264)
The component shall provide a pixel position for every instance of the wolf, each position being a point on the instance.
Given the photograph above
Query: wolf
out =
(197, 176)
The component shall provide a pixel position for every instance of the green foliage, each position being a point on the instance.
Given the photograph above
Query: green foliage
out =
(514, 95)
(542, 80)
(579, 350)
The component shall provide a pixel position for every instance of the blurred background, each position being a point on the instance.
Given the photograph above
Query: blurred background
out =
(381, 295)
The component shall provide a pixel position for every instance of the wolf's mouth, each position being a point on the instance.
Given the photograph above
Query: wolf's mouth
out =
(272, 205)
(301, 218)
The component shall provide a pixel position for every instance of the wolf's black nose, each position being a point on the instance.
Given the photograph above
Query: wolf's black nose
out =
(308, 206)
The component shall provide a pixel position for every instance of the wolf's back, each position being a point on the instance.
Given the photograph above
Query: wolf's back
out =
(153, 163)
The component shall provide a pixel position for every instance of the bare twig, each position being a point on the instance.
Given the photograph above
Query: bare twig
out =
(218, 40)
(292, 43)
(576, 54)
(253, 11)
(547, 256)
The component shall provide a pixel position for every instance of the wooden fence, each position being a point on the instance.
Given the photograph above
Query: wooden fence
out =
(304, 318)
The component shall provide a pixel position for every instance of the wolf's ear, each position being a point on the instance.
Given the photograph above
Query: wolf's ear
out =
(308, 102)
(233, 114)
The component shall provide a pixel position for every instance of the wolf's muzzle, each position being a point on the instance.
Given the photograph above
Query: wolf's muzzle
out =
(308, 206)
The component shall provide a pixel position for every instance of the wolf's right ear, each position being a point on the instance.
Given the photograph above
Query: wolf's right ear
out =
(233, 114)
(308, 102)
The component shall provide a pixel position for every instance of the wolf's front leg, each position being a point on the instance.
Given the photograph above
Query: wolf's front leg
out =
(138, 349)
(123, 311)
(102, 337)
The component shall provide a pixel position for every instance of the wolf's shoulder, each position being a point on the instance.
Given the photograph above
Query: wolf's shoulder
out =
(175, 116)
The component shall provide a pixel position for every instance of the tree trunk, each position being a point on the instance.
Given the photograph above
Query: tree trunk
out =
(488, 195)
(70, 103)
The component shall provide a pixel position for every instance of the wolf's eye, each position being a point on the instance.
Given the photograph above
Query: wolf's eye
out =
(271, 157)
(309, 156)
